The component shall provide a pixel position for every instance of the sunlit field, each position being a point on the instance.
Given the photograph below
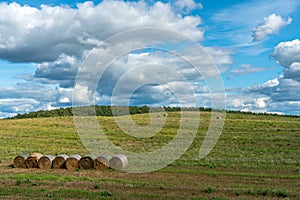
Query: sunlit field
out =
(257, 156)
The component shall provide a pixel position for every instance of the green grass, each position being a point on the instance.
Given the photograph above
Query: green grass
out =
(257, 156)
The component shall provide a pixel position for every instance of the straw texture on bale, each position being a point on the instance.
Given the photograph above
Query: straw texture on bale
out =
(45, 162)
(19, 161)
(72, 162)
(32, 160)
(87, 162)
(118, 162)
(102, 162)
(59, 161)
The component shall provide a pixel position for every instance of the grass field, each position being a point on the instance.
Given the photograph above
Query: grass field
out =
(257, 156)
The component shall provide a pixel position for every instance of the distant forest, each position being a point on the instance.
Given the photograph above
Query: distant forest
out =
(99, 111)
(108, 111)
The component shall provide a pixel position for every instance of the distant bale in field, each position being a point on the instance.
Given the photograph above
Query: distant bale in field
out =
(32, 160)
(102, 162)
(118, 162)
(19, 161)
(87, 162)
(59, 161)
(45, 162)
(73, 161)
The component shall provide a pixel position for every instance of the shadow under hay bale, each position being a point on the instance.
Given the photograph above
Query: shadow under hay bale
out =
(45, 162)
(32, 160)
(118, 162)
(19, 161)
(72, 162)
(102, 162)
(87, 162)
(59, 161)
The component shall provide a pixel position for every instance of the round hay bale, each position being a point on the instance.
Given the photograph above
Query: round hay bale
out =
(45, 162)
(32, 160)
(118, 162)
(59, 161)
(87, 162)
(19, 161)
(72, 162)
(102, 162)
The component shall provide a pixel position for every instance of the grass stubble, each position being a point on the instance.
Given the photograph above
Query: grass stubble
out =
(257, 156)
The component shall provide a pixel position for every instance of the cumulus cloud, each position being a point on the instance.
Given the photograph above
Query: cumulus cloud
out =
(40, 35)
(58, 39)
(62, 71)
(283, 93)
(286, 53)
(293, 71)
(248, 102)
(186, 6)
(152, 73)
(271, 25)
(29, 96)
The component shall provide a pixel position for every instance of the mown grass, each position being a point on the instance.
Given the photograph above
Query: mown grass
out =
(257, 156)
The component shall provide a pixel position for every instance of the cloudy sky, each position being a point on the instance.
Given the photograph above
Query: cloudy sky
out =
(45, 45)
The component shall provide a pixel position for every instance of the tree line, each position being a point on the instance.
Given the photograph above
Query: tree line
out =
(100, 111)
(97, 110)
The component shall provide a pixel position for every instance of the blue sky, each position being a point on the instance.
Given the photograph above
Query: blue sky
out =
(255, 45)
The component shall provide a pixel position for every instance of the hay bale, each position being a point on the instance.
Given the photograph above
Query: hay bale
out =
(19, 161)
(87, 162)
(32, 160)
(102, 162)
(59, 161)
(72, 162)
(118, 162)
(45, 162)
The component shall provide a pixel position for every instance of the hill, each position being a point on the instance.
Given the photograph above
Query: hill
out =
(257, 156)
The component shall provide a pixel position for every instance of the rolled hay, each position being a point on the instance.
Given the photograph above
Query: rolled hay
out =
(87, 162)
(72, 162)
(118, 162)
(32, 160)
(59, 161)
(45, 162)
(19, 161)
(102, 162)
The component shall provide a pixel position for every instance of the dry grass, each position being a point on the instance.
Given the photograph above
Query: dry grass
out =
(256, 157)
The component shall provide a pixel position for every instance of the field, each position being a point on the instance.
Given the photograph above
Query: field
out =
(257, 156)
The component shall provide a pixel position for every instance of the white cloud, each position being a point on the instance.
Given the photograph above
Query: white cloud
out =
(58, 39)
(282, 94)
(64, 100)
(83, 95)
(186, 6)
(153, 72)
(236, 22)
(271, 25)
(261, 102)
(61, 71)
(39, 35)
(248, 102)
(293, 71)
(286, 53)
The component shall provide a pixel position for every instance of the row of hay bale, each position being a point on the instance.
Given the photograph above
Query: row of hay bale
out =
(72, 162)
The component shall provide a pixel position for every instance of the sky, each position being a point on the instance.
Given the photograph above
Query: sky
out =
(45, 45)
